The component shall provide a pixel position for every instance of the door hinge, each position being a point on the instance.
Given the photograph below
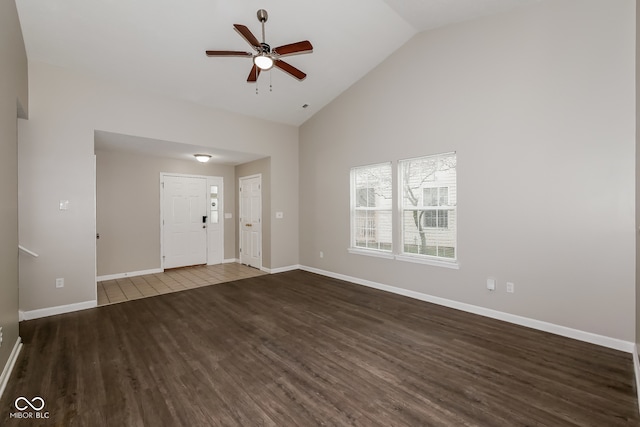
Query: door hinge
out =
(240, 250)
(162, 184)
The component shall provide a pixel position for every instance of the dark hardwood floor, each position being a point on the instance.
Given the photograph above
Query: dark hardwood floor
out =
(298, 349)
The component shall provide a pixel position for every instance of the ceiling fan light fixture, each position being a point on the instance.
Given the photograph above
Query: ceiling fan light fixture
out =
(263, 61)
(202, 158)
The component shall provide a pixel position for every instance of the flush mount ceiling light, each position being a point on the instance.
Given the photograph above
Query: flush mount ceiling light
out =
(202, 158)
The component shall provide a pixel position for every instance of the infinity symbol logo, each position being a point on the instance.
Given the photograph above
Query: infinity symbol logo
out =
(33, 403)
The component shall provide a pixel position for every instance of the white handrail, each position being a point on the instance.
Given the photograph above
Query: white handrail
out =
(33, 254)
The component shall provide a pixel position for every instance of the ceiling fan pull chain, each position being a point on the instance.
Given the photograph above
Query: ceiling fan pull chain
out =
(270, 86)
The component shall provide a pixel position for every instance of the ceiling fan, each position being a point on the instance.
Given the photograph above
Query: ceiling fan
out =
(265, 58)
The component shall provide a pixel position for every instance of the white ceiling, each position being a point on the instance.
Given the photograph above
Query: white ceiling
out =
(159, 45)
(109, 141)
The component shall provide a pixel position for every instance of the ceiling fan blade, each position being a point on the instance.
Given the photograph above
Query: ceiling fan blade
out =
(248, 36)
(227, 53)
(294, 48)
(253, 75)
(290, 69)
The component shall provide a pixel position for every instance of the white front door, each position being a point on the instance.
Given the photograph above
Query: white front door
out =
(185, 212)
(251, 221)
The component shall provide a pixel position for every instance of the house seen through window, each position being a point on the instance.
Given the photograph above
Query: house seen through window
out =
(428, 206)
(371, 212)
(425, 215)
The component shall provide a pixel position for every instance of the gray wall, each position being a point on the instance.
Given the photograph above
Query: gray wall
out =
(128, 208)
(263, 167)
(56, 161)
(13, 102)
(539, 105)
(637, 182)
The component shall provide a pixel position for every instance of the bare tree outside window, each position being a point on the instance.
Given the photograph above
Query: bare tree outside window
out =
(371, 211)
(428, 205)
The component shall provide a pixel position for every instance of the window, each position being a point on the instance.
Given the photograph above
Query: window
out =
(428, 206)
(436, 196)
(214, 205)
(371, 207)
(436, 219)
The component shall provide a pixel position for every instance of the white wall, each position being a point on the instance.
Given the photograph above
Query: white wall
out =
(56, 163)
(539, 105)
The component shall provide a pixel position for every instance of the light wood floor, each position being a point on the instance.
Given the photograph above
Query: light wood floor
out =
(177, 279)
(299, 349)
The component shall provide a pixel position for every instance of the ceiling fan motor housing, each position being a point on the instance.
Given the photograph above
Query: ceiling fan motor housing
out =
(265, 48)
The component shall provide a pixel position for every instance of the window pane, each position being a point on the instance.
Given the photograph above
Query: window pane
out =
(366, 197)
(371, 215)
(443, 219)
(213, 218)
(426, 230)
(430, 196)
(373, 230)
(444, 196)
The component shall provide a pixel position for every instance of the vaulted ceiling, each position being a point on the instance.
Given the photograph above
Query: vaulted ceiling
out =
(159, 45)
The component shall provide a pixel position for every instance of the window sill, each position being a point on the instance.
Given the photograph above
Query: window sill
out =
(378, 254)
(429, 261)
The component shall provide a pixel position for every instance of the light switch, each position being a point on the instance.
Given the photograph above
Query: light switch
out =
(491, 284)
(64, 205)
(279, 215)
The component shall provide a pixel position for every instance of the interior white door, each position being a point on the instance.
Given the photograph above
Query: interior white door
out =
(251, 221)
(184, 228)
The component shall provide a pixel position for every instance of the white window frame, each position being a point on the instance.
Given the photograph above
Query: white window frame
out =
(397, 232)
(353, 193)
(401, 255)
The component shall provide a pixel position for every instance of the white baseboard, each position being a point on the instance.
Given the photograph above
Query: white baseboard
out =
(52, 311)
(8, 368)
(129, 274)
(230, 260)
(636, 368)
(281, 269)
(589, 337)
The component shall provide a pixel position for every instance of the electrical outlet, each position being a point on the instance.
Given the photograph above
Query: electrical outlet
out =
(60, 283)
(321, 254)
(511, 288)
